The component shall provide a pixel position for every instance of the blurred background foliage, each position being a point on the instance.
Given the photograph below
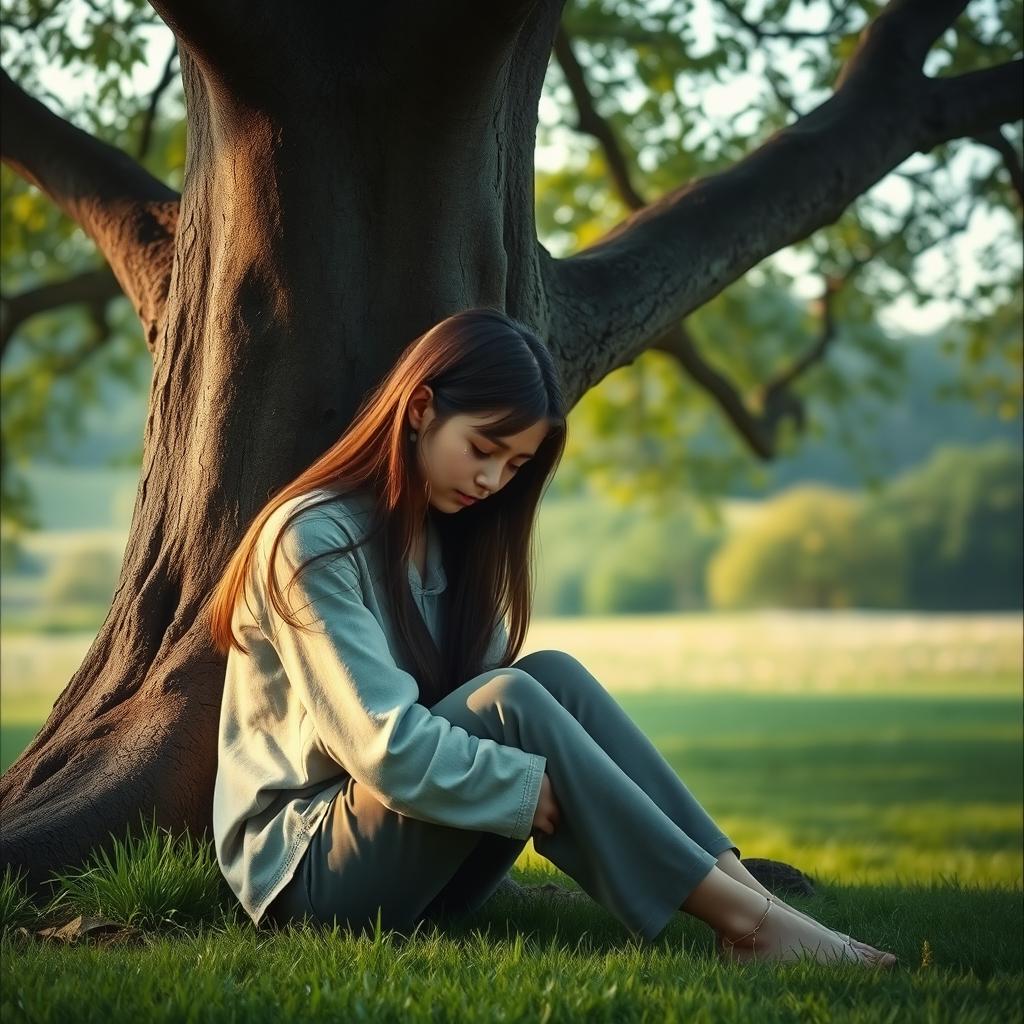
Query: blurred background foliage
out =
(63, 367)
(944, 536)
(925, 272)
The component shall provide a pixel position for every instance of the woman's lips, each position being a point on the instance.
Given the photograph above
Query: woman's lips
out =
(465, 498)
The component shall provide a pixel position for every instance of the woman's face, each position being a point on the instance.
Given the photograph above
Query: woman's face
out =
(457, 457)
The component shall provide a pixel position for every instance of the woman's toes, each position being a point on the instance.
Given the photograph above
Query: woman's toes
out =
(874, 955)
(864, 950)
(885, 959)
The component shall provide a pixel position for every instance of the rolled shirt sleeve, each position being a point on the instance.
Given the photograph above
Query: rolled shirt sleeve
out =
(364, 706)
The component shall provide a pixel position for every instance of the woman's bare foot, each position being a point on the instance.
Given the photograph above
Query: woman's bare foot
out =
(788, 937)
(734, 867)
(883, 957)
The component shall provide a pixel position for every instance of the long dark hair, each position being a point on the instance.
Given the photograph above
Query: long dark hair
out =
(478, 361)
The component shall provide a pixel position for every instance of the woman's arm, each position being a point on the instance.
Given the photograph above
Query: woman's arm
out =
(364, 707)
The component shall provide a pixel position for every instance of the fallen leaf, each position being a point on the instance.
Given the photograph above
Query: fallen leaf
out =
(105, 932)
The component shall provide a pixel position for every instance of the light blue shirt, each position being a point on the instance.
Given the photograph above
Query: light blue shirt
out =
(305, 711)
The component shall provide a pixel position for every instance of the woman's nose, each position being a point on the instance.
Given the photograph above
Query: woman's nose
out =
(490, 480)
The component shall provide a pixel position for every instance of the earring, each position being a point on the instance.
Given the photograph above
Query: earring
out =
(413, 436)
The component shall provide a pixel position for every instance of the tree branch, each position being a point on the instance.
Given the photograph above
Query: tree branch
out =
(669, 258)
(996, 140)
(96, 287)
(154, 100)
(837, 27)
(130, 215)
(776, 393)
(777, 401)
(972, 104)
(897, 41)
(593, 123)
(784, 98)
(678, 342)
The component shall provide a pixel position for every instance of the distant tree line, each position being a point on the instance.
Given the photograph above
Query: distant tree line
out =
(944, 536)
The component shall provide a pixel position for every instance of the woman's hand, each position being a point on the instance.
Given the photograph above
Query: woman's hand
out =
(548, 813)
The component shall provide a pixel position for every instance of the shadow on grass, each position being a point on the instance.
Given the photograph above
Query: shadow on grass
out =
(941, 926)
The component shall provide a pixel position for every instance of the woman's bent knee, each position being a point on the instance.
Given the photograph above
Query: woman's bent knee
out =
(548, 662)
(512, 686)
(559, 673)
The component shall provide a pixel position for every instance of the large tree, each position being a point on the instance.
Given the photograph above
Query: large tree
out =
(334, 162)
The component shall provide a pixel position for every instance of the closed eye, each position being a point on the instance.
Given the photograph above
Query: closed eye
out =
(486, 455)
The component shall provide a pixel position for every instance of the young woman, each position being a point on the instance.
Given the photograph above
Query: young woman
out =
(380, 750)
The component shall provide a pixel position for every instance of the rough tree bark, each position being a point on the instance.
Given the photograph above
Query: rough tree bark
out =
(348, 184)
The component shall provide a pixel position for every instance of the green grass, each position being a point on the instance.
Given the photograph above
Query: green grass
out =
(904, 803)
(960, 947)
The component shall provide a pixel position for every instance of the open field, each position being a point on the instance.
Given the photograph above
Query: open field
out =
(880, 754)
(764, 651)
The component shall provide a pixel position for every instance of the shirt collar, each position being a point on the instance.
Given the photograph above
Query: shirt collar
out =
(436, 580)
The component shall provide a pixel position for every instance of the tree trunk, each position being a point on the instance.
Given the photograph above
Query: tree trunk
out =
(304, 261)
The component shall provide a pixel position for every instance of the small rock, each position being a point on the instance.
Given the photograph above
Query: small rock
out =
(779, 877)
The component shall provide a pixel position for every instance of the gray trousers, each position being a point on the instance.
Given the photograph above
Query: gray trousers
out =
(631, 834)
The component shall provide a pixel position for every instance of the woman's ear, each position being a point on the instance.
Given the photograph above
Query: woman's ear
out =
(418, 404)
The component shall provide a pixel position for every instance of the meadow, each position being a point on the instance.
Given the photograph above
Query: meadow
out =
(879, 753)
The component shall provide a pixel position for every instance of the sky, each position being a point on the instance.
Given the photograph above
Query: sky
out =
(721, 100)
